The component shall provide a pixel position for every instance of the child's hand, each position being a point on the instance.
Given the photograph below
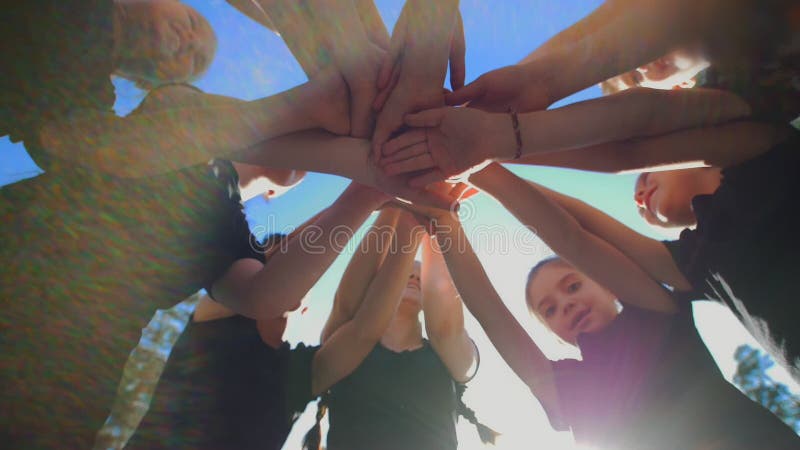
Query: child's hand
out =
(328, 102)
(426, 214)
(500, 89)
(363, 194)
(445, 143)
(360, 76)
(399, 186)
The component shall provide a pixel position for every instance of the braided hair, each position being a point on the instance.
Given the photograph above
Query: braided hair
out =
(486, 434)
(313, 438)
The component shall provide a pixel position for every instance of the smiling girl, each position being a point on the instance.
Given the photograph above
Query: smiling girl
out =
(645, 379)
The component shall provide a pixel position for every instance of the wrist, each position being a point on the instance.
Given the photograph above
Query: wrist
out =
(538, 76)
(364, 197)
(486, 176)
(504, 137)
(447, 230)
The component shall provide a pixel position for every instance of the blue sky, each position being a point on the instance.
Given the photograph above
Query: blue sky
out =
(252, 62)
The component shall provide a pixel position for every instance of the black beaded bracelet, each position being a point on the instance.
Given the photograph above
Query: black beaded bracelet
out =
(517, 133)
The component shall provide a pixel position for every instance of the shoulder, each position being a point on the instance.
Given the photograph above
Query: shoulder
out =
(169, 96)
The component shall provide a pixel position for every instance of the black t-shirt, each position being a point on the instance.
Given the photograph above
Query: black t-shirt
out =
(647, 382)
(393, 400)
(83, 273)
(743, 252)
(755, 53)
(224, 388)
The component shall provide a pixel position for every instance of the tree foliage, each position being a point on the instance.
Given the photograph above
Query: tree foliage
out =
(142, 372)
(752, 378)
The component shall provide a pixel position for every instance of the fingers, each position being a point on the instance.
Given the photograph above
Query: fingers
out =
(413, 164)
(362, 116)
(406, 139)
(458, 50)
(470, 92)
(406, 153)
(426, 178)
(383, 94)
(431, 118)
(386, 125)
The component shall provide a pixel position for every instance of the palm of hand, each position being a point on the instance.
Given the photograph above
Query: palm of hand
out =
(459, 143)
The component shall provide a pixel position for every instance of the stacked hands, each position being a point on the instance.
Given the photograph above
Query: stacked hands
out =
(390, 90)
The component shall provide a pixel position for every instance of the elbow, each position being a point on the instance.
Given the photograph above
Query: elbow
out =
(442, 330)
(266, 307)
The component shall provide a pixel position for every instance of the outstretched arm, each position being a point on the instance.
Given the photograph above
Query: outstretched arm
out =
(599, 259)
(648, 253)
(178, 126)
(718, 146)
(263, 291)
(617, 37)
(346, 34)
(444, 315)
(347, 347)
(361, 270)
(318, 151)
(253, 10)
(507, 335)
(452, 140)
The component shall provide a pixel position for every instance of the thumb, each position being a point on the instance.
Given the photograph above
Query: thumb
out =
(468, 93)
(431, 118)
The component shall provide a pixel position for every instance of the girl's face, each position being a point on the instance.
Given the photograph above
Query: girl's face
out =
(673, 70)
(163, 41)
(665, 198)
(676, 69)
(412, 294)
(570, 303)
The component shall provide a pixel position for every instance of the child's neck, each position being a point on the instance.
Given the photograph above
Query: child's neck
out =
(404, 333)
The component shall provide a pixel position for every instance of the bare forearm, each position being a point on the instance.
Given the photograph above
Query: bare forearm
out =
(507, 335)
(385, 290)
(361, 269)
(430, 28)
(637, 35)
(719, 146)
(595, 21)
(291, 273)
(444, 315)
(373, 23)
(297, 28)
(162, 141)
(351, 343)
(599, 259)
(649, 253)
(346, 28)
(253, 10)
(633, 114)
(313, 151)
